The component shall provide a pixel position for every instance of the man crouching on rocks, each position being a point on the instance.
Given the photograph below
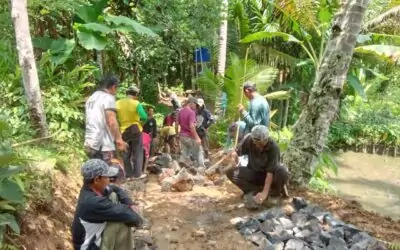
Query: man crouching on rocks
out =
(104, 214)
(264, 175)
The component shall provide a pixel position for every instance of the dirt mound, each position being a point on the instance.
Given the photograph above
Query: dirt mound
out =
(47, 225)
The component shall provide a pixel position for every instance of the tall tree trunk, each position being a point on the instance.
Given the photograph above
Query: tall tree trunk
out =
(19, 15)
(312, 127)
(223, 37)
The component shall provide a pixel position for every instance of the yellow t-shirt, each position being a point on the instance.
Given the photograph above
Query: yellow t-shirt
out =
(127, 113)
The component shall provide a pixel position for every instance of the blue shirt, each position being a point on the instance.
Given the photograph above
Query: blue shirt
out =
(257, 113)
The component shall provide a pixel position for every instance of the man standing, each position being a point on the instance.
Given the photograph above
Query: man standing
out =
(264, 175)
(204, 121)
(150, 127)
(258, 110)
(190, 140)
(130, 114)
(102, 130)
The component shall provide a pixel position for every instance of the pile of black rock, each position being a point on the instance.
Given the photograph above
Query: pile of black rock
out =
(308, 227)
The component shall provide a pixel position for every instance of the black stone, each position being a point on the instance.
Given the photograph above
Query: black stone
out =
(303, 234)
(279, 237)
(270, 214)
(258, 239)
(300, 219)
(296, 230)
(286, 223)
(338, 232)
(320, 216)
(270, 226)
(314, 225)
(294, 244)
(362, 240)
(312, 209)
(336, 243)
(350, 231)
(276, 246)
(299, 203)
(249, 227)
(332, 221)
(325, 237)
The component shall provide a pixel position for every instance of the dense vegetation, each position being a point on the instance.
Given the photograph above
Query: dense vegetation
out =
(277, 44)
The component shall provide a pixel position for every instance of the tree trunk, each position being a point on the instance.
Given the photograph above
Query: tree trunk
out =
(312, 127)
(19, 15)
(223, 37)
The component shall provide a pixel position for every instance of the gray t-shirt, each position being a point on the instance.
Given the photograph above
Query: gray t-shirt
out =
(96, 133)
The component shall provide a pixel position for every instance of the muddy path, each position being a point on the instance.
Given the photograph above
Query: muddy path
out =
(199, 219)
(372, 180)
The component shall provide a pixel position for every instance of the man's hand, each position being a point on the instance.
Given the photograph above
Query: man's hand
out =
(241, 108)
(260, 197)
(198, 141)
(135, 208)
(121, 145)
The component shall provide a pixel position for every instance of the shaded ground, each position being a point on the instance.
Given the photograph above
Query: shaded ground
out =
(199, 219)
(372, 180)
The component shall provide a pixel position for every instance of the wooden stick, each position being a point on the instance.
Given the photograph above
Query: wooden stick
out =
(241, 97)
(211, 169)
(35, 140)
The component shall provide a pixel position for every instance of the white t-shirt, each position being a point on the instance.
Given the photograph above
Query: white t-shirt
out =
(96, 133)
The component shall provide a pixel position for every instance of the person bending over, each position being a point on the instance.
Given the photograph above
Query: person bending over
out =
(264, 174)
(104, 213)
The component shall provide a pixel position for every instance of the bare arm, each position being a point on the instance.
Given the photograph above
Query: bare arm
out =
(194, 132)
(112, 124)
(268, 182)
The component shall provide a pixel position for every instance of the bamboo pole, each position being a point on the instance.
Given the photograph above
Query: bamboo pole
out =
(241, 96)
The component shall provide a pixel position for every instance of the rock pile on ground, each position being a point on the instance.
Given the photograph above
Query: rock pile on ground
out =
(174, 176)
(306, 227)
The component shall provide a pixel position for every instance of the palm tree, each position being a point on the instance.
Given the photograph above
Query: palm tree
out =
(223, 37)
(311, 129)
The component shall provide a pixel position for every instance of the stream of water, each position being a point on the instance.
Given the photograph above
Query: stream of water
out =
(372, 180)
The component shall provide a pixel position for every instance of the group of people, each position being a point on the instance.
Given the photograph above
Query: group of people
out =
(105, 213)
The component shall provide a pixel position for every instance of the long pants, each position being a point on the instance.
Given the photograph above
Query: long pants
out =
(116, 235)
(189, 147)
(133, 159)
(249, 180)
(98, 154)
(205, 143)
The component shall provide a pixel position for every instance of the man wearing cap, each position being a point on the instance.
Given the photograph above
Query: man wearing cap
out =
(264, 175)
(189, 139)
(204, 121)
(101, 129)
(258, 110)
(131, 114)
(104, 213)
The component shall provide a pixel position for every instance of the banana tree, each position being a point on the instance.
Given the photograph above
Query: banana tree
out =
(11, 187)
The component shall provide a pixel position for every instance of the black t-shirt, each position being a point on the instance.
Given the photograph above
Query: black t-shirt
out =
(150, 127)
(266, 160)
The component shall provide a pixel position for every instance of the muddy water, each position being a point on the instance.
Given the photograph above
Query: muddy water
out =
(373, 180)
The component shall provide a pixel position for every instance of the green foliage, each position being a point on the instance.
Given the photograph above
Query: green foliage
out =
(325, 164)
(241, 71)
(11, 187)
